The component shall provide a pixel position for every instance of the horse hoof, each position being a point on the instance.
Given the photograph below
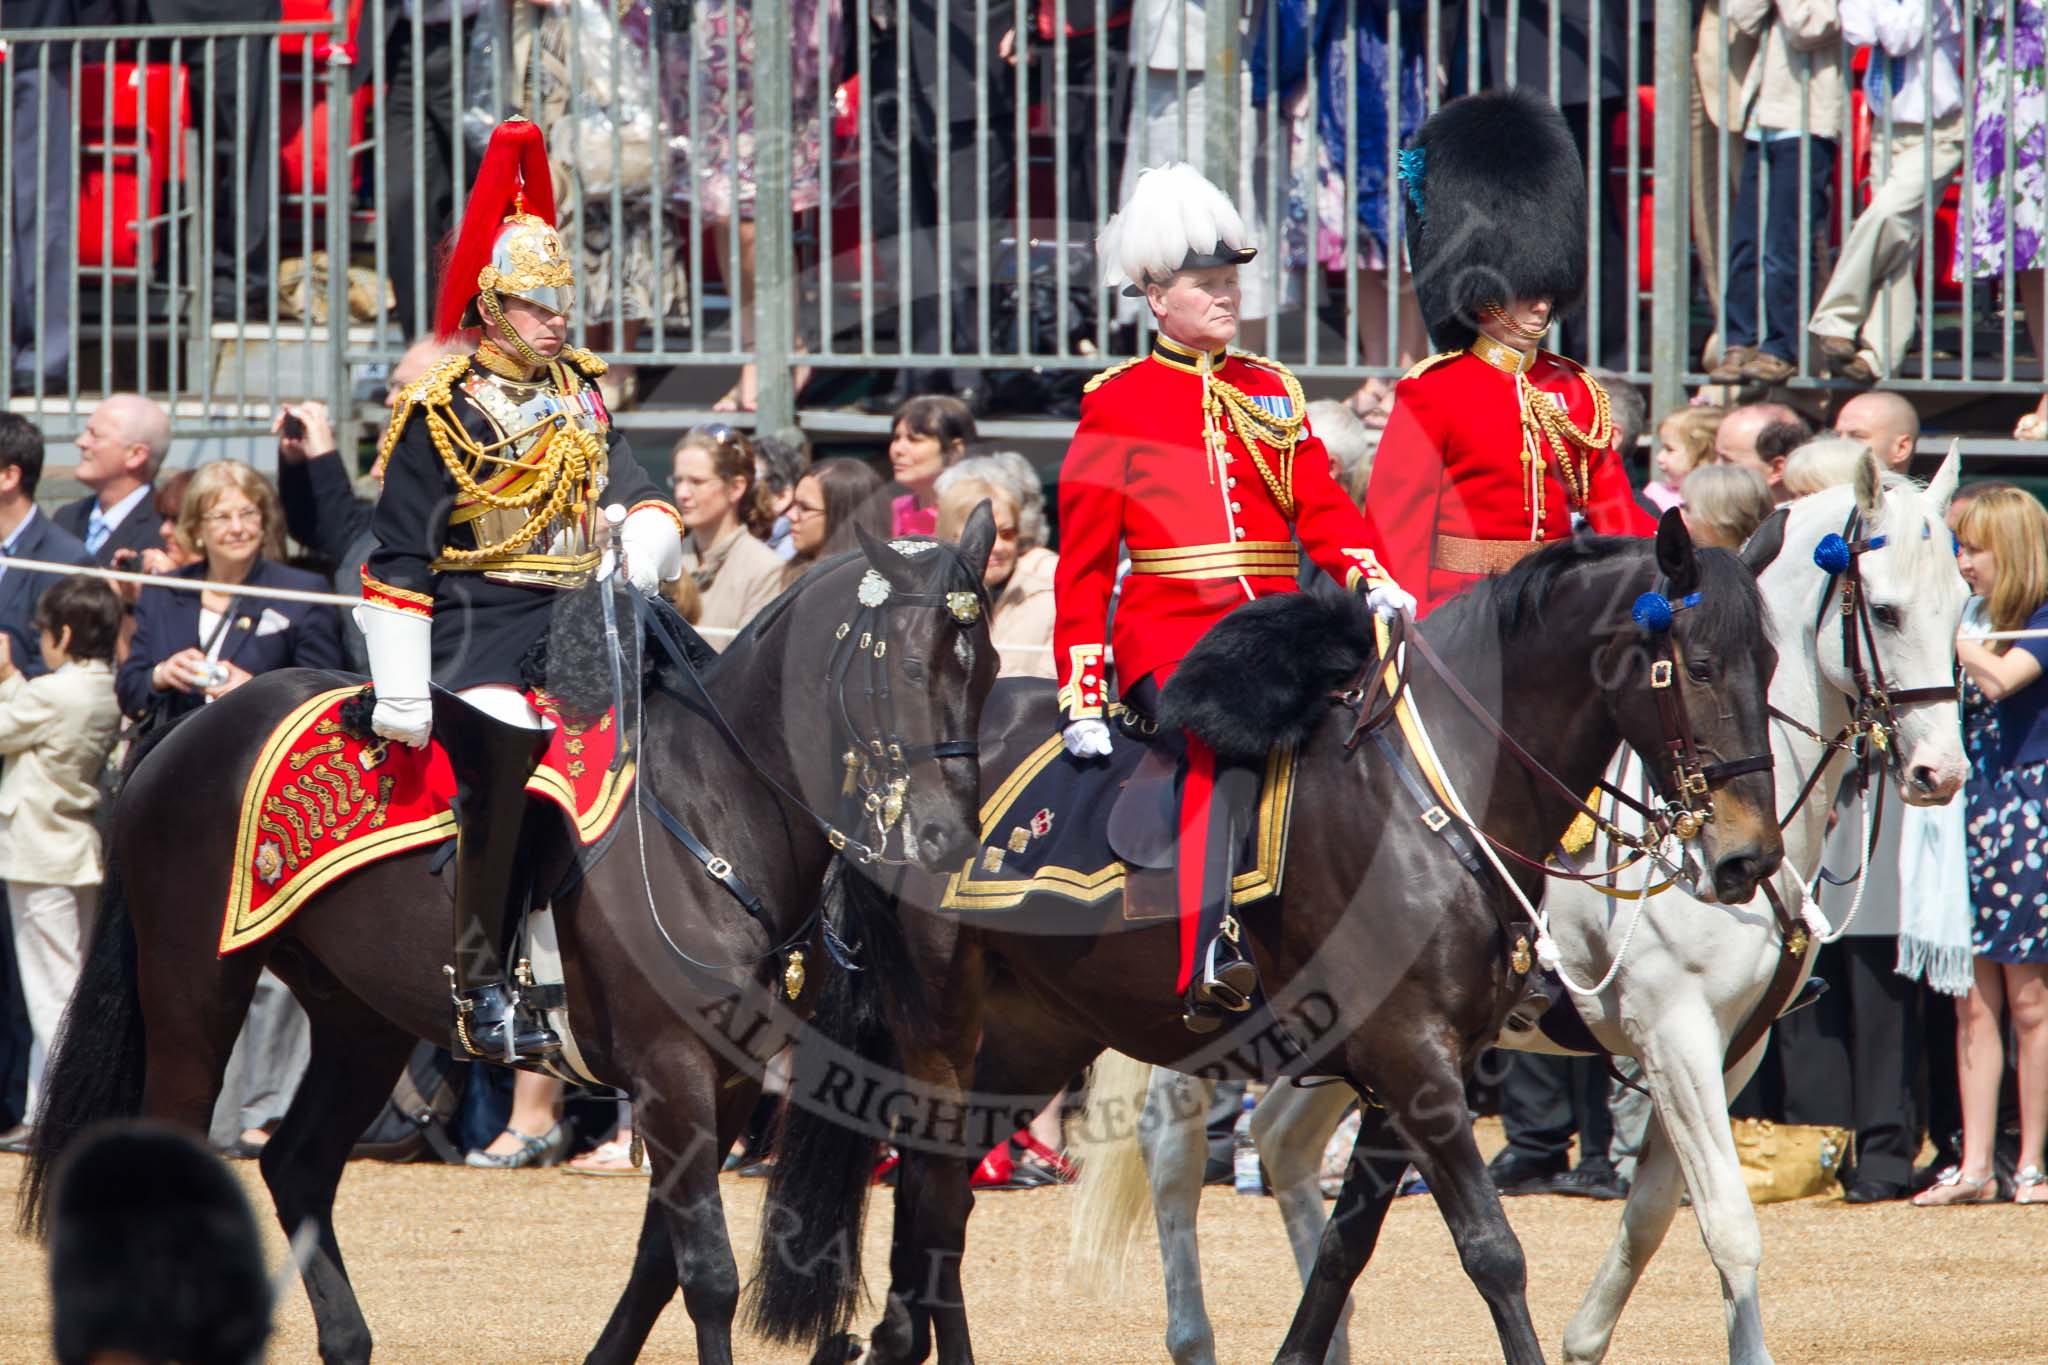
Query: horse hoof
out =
(840, 1349)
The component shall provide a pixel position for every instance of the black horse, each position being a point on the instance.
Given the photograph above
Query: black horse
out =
(885, 647)
(1390, 959)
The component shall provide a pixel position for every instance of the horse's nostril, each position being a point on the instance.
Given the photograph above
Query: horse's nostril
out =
(1924, 778)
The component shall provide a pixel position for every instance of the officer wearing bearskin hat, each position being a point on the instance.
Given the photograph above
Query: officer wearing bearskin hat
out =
(497, 466)
(1495, 446)
(1200, 460)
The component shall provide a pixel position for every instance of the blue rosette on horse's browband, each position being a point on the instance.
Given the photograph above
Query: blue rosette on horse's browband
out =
(1408, 165)
(1832, 554)
(1653, 611)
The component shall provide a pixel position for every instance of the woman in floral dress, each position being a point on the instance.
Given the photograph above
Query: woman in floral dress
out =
(2007, 214)
(2002, 550)
(721, 137)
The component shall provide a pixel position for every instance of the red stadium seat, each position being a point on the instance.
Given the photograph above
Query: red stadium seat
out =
(304, 161)
(127, 154)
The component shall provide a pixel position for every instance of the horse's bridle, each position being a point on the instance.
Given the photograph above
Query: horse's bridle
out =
(878, 763)
(1693, 778)
(1873, 719)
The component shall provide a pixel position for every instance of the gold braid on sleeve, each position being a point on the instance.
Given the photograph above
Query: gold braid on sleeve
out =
(1255, 425)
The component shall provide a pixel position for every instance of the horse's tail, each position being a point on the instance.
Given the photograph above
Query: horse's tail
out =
(96, 1063)
(1113, 1193)
(808, 1281)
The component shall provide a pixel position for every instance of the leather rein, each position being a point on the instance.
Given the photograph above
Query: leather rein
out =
(1693, 777)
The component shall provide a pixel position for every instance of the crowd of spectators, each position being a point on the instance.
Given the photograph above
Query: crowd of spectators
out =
(1786, 95)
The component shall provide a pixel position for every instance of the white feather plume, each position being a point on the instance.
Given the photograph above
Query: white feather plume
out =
(1173, 210)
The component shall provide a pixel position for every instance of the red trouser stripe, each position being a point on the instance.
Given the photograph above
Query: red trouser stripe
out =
(1192, 853)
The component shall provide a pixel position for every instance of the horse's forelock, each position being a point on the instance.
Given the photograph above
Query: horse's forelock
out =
(1729, 617)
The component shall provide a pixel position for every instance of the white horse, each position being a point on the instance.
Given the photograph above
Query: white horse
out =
(1676, 977)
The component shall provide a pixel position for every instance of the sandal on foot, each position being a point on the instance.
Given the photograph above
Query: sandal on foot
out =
(2030, 1186)
(611, 1157)
(1951, 1188)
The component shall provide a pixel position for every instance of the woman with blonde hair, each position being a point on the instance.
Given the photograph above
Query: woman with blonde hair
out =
(724, 554)
(1824, 462)
(1723, 504)
(193, 647)
(2002, 550)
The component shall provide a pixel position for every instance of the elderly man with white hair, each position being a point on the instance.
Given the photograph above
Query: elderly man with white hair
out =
(1201, 460)
(119, 452)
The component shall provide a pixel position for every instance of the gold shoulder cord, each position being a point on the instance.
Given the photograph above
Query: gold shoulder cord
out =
(1546, 422)
(1254, 424)
(1112, 372)
(563, 459)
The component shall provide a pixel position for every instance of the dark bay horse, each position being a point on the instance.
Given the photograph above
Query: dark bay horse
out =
(885, 647)
(1386, 958)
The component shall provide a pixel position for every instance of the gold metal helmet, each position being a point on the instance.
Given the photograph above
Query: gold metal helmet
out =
(528, 262)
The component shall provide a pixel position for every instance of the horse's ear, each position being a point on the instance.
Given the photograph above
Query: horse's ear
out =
(1761, 549)
(1869, 489)
(978, 537)
(887, 561)
(1942, 491)
(1675, 556)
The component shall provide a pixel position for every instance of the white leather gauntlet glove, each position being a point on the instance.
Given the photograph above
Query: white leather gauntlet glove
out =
(1087, 739)
(401, 659)
(652, 548)
(1389, 600)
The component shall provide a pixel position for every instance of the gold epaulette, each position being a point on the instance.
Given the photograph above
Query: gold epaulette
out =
(586, 362)
(1428, 363)
(431, 390)
(1112, 372)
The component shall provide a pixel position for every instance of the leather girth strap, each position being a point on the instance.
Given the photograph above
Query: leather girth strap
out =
(1797, 945)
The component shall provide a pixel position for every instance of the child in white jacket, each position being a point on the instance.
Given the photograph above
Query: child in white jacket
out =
(55, 734)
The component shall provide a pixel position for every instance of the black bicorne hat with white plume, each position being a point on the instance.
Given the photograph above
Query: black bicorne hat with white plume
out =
(1496, 209)
(1174, 220)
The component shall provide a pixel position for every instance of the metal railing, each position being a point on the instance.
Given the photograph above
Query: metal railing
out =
(853, 185)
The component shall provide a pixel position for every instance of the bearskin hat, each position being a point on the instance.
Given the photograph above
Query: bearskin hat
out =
(154, 1252)
(1496, 208)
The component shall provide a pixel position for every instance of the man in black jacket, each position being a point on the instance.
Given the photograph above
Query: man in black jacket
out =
(120, 450)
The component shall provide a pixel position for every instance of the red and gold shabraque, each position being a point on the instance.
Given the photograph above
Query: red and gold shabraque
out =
(321, 803)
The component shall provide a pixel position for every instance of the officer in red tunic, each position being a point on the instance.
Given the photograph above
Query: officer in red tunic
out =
(1200, 461)
(1495, 446)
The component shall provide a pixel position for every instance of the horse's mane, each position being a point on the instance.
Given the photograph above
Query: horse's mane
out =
(1729, 615)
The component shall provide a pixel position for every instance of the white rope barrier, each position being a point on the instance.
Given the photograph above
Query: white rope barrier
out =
(150, 580)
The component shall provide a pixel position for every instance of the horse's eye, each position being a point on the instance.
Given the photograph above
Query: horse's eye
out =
(913, 669)
(1886, 616)
(1700, 670)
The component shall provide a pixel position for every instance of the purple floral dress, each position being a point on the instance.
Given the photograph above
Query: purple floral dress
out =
(722, 138)
(2012, 72)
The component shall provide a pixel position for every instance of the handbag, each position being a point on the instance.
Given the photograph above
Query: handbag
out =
(1788, 1160)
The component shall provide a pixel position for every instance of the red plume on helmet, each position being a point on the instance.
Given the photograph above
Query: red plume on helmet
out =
(514, 174)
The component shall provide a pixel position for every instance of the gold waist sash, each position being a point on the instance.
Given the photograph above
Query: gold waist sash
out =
(1226, 559)
(1462, 554)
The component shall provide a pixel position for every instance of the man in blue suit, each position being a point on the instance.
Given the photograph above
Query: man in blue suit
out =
(26, 533)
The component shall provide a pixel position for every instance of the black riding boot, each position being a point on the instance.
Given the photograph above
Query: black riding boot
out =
(491, 762)
(1224, 978)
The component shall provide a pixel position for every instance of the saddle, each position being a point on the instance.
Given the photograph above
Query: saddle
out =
(1093, 831)
(325, 799)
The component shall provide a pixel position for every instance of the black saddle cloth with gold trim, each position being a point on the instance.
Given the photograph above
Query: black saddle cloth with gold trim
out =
(1089, 830)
